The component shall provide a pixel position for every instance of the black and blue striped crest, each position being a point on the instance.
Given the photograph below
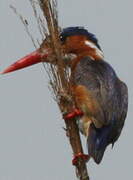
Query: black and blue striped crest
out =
(71, 31)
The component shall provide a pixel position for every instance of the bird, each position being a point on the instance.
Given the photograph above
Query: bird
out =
(99, 93)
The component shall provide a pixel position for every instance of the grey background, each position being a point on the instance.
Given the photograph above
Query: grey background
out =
(33, 145)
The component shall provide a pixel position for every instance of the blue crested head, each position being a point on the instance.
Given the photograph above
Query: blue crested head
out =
(78, 30)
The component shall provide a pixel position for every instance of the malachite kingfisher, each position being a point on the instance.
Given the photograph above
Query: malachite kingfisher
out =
(99, 94)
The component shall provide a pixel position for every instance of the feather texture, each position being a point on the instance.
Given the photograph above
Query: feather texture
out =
(103, 85)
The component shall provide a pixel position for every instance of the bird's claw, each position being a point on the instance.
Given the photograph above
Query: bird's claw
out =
(78, 156)
(76, 112)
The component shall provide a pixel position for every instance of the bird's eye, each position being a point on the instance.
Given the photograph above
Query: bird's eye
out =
(61, 38)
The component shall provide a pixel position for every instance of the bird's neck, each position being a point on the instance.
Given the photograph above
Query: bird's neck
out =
(89, 50)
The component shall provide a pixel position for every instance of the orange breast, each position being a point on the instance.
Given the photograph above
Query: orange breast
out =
(88, 104)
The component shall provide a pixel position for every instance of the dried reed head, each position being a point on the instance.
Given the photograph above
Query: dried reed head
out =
(58, 71)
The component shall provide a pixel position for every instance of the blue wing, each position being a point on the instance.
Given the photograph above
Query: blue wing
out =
(111, 94)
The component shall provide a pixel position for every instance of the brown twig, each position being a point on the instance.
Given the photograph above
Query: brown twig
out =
(61, 85)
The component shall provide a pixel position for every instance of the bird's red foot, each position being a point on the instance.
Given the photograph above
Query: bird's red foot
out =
(78, 156)
(76, 112)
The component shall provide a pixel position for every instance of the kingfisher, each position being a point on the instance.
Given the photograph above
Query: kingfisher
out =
(99, 93)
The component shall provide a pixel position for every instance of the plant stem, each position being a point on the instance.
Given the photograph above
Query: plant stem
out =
(65, 105)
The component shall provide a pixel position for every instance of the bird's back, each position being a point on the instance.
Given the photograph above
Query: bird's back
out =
(99, 78)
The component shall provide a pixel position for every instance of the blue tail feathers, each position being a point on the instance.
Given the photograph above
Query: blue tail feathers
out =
(97, 141)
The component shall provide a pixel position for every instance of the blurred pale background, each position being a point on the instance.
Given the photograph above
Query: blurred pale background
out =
(33, 145)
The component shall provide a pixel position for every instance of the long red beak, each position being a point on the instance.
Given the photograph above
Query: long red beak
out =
(33, 58)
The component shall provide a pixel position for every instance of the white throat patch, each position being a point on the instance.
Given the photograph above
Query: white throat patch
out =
(93, 46)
